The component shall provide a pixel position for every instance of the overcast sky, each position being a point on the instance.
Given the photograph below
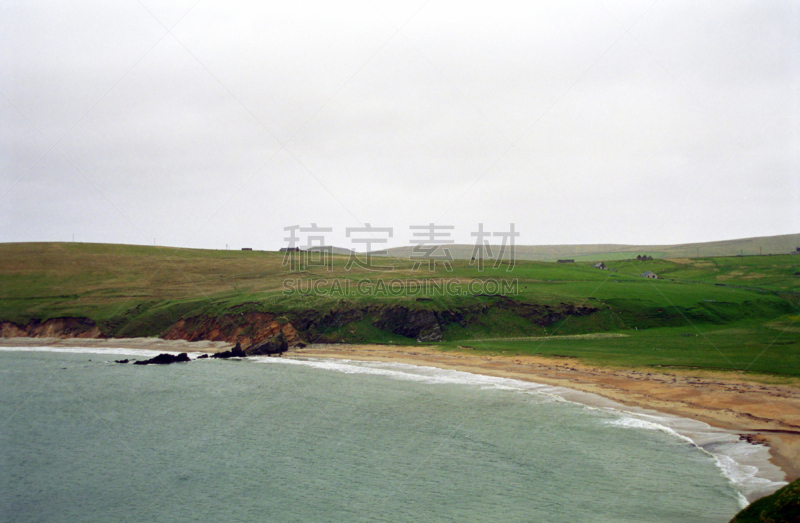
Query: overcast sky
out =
(206, 123)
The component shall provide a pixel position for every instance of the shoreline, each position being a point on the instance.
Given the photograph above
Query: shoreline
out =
(761, 413)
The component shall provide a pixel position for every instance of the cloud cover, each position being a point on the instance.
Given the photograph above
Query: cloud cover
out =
(205, 124)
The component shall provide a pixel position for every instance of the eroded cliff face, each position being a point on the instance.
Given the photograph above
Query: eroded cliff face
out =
(52, 328)
(270, 331)
(424, 325)
(247, 329)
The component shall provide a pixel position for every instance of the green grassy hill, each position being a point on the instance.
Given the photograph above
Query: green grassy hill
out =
(782, 506)
(734, 313)
(763, 245)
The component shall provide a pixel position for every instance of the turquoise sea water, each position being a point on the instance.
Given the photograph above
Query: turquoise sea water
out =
(84, 439)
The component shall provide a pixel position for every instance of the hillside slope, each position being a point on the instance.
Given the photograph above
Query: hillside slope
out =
(781, 507)
(762, 245)
(736, 313)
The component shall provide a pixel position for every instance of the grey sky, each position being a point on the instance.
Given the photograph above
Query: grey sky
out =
(580, 122)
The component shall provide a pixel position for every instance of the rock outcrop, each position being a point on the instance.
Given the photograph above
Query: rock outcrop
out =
(544, 315)
(164, 359)
(235, 352)
(420, 324)
(264, 333)
(273, 346)
(247, 329)
(68, 327)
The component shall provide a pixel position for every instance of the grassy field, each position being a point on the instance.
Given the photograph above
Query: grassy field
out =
(763, 245)
(724, 313)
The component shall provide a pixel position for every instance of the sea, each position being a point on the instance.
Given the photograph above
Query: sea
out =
(318, 440)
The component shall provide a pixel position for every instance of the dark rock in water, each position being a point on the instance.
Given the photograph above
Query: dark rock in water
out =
(274, 345)
(164, 359)
(202, 356)
(235, 352)
(122, 361)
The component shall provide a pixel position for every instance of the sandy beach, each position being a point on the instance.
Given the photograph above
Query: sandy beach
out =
(759, 411)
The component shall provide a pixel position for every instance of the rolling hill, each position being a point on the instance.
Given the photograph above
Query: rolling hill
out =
(736, 313)
(783, 244)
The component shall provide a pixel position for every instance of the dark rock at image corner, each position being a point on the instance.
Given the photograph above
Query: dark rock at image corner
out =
(164, 359)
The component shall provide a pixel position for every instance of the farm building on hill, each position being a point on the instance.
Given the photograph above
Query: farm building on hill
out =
(566, 261)
(600, 265)
(289, 249)
(650, 274)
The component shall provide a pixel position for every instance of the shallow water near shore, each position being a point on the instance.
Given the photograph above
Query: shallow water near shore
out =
(277, 439)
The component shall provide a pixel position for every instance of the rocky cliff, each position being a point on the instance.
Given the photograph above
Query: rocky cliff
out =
(268, 333)
(52, 328)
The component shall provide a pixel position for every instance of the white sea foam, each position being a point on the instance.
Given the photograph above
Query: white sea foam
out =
(745, 465)
(116, 351)
(636, 423)
(735, 458)
(418, 373)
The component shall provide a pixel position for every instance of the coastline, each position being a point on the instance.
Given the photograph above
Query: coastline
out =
(761, 413)
(156, 344)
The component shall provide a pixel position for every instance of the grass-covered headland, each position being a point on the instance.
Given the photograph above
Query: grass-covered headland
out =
(735, 313)
(781, 507)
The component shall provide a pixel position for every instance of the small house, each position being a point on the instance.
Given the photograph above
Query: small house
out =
(600, 265)
(650, 274)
